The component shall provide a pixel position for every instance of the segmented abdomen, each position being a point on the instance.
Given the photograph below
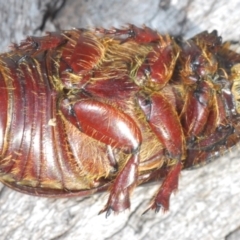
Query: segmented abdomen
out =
(33, 149)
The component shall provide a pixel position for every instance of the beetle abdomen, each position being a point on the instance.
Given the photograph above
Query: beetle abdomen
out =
(28, 136)
(34, 148)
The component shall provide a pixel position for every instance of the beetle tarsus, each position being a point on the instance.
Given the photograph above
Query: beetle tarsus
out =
(169, 185)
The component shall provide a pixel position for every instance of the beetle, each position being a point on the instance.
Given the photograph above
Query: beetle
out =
(85, 111)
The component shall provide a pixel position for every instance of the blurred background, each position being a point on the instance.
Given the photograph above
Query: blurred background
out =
(207, 205)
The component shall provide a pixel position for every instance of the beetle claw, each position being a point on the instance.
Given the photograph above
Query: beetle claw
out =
(155, 206)
(106, 209)
(158, 207)
(108, 212)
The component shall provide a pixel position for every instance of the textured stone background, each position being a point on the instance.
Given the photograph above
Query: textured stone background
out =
(207, 205)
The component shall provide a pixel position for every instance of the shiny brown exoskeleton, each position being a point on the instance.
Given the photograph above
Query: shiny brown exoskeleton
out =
(86, 111)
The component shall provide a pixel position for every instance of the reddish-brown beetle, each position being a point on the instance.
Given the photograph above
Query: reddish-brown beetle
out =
(85, 111)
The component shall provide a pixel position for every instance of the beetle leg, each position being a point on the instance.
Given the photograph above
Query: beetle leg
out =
(211, 40)
(37, 44)
(217, 115)
(196, 110)
(123, 185)
(109, 125)
(139, 35)
(111, 158)
(169, 185)
(164, 122)
(196, 61)
(209, 147)
(159, 64)
(81, 53)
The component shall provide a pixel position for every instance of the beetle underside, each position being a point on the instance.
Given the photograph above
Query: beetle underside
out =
(84, 111)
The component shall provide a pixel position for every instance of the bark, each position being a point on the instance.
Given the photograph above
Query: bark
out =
(207, 205)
